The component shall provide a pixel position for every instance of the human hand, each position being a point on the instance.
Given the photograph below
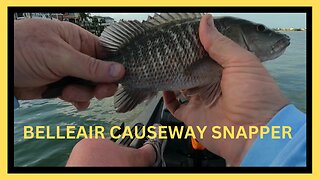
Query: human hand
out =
(45, 51)
(250, 97)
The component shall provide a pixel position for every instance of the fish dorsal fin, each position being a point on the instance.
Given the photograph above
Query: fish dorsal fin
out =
(164, 18)
(119, 34)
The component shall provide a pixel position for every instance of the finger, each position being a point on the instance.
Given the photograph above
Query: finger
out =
(77, 93)
(105, 90)
(74, 63)
(173, 105)
(81, 105)
(171, 101)
(85, 67)
(82, 40)
(220, 48)
(84, 49)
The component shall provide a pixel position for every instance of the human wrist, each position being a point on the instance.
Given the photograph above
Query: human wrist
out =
(244, 145)
(240, 149)
(264, 151)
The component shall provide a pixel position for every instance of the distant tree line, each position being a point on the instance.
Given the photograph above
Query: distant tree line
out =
(94, 24)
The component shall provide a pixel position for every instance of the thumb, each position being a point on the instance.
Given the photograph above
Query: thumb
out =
(220, 48)
(95, 70)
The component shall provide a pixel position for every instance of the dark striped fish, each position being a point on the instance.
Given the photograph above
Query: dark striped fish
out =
(164, 53)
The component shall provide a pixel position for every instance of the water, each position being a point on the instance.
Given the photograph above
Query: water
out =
(289, 71)
(35, 152)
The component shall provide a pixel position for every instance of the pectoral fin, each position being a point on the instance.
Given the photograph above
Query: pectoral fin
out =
(208, 93)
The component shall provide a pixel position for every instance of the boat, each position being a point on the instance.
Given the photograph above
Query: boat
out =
(178, 152)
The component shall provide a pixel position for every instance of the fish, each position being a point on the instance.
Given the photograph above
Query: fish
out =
(164, 53)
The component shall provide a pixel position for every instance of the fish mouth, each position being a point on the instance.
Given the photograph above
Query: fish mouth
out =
(280, 45)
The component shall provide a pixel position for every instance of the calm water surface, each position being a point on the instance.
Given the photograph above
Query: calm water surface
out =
(289, 71)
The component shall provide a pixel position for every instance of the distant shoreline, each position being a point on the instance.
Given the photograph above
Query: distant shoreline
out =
(289, 29)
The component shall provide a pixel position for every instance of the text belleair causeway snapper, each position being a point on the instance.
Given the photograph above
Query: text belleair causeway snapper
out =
(165, 132)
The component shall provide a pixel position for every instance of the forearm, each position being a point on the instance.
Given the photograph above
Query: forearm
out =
(281, 152)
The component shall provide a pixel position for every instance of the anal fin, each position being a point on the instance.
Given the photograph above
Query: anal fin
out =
(125, 99)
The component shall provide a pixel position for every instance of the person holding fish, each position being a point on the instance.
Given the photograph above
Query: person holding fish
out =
(234, 89)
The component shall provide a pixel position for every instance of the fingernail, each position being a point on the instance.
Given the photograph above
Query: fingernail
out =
(210, 22)
(115, 70)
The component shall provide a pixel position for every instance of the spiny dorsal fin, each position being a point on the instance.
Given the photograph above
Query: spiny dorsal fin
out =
(118, 34)
(164, 18)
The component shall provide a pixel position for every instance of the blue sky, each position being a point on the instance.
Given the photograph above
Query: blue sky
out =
(273, 20)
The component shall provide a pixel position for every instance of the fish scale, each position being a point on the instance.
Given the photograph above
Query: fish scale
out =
(170, 49)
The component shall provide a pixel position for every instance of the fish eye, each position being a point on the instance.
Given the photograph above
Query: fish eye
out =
(261, 28)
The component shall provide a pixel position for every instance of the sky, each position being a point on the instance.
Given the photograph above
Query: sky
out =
(272, 20)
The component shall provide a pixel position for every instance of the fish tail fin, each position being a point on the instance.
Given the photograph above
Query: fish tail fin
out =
(125, 100)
